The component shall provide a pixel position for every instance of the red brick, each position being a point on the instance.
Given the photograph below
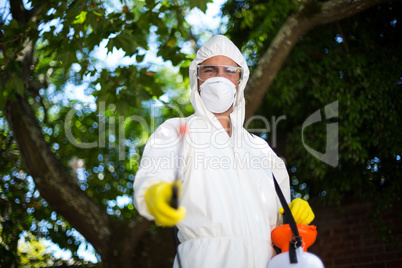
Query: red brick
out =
(385, 257)
(347, 238)
(364, 259)
(344, 261)
(394, 264)
(374, 249)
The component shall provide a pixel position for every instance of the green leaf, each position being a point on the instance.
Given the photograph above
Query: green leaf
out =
(14, 25)
(67, 58)
(3, 98)
(15, 84)
(97, 14)
(124, 41)
(123, 106)
(129, 16)
(201, 4)
(80, 18)
(139, 58)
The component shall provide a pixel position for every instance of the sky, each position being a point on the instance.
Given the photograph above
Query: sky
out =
(200, 23)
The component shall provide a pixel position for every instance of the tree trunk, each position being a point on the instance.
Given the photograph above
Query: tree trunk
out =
(114, 242)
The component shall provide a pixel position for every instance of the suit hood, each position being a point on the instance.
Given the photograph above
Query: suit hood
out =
(219, 45)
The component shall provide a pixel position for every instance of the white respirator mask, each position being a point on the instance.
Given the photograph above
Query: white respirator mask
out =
(218, 94)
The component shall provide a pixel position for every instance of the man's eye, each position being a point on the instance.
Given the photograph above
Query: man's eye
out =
(208, 70)
(231, 70)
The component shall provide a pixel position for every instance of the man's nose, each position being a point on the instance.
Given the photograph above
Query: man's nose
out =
(221, 72)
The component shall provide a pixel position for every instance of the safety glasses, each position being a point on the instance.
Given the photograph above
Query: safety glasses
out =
(233, 73)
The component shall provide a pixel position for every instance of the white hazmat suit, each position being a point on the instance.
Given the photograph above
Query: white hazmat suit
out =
(227, 187)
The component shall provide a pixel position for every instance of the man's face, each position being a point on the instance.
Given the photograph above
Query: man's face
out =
(214, 67)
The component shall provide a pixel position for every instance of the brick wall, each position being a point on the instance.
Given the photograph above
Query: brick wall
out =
(347, 238)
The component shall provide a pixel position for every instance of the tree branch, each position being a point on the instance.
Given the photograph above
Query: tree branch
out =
(55, 183)
(19, 12)
(311, 13)
(22, 15)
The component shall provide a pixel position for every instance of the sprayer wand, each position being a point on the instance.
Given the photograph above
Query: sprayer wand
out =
(174, 202)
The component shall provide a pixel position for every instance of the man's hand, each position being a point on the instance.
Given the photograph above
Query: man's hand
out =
(301, 211)
(158, 198)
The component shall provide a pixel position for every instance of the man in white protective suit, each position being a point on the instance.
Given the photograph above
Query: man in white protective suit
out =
(228, 204)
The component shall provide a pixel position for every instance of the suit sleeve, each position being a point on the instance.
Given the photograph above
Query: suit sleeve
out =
(159, 162)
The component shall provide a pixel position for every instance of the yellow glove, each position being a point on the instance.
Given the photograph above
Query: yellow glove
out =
(301, 211)
(158, 198)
